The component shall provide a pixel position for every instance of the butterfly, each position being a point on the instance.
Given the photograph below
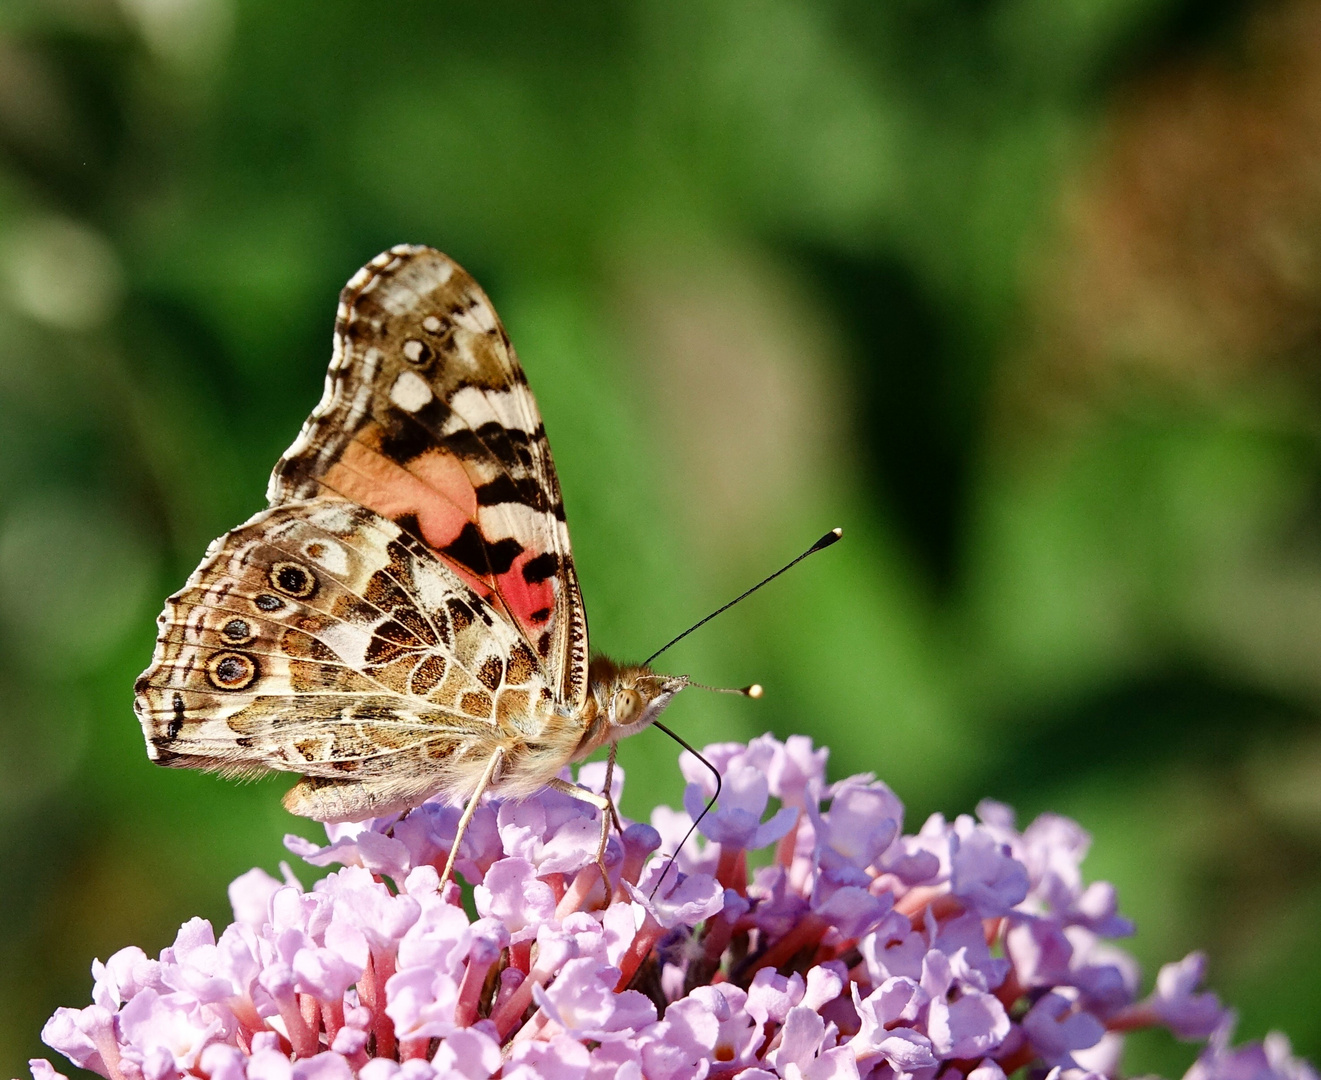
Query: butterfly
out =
(403, 620)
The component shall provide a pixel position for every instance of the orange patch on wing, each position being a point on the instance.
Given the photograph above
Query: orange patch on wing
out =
(434, 488)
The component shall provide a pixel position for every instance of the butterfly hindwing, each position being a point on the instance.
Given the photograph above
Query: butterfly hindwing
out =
(427, 420)
(321, 638)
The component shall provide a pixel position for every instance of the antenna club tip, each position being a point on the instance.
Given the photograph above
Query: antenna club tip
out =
(827, 540)
(754, 691)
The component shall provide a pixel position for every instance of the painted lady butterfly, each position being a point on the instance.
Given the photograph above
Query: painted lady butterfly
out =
(404, 619)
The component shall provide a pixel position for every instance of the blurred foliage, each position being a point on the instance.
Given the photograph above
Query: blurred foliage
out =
(1024, 294)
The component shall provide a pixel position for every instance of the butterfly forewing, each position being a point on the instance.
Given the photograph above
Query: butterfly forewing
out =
(428, 420)
(408, 603)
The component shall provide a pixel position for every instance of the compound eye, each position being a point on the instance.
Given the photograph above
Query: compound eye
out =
(628, 706)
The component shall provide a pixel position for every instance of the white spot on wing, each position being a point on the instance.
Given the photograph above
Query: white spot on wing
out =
(516, 520)
(473, 407)
(277, 530)
(479, 318)
(328, 556)
(363, 398)
(410, 392)
(334, 519)
(413, 281)
(431, 324)
(434, 587)
(348, 642)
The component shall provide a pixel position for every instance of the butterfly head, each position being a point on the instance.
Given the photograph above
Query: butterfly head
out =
(628, 698)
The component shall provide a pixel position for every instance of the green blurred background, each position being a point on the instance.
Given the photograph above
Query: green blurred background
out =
(1025, 294)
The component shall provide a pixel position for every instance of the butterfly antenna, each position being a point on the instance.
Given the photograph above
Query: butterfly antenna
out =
(754, 691)
(705, 810)
(824, 542)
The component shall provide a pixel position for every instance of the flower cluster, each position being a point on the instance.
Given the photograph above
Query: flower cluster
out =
(964, 951)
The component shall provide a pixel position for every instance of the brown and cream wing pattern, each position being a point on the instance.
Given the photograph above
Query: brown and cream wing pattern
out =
(321, 638)
(427, 420)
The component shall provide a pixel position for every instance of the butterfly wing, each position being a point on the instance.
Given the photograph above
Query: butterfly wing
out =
(427, 419)
(408, 603)
(320, 638)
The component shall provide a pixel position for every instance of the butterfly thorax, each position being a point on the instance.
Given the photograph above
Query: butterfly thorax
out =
(620, 701)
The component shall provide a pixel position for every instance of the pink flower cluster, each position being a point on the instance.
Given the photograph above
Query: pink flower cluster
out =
(964, 951)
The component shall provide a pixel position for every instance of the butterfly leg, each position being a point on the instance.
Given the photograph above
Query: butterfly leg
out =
(606, 806)
(488, 774)
(614, 814)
